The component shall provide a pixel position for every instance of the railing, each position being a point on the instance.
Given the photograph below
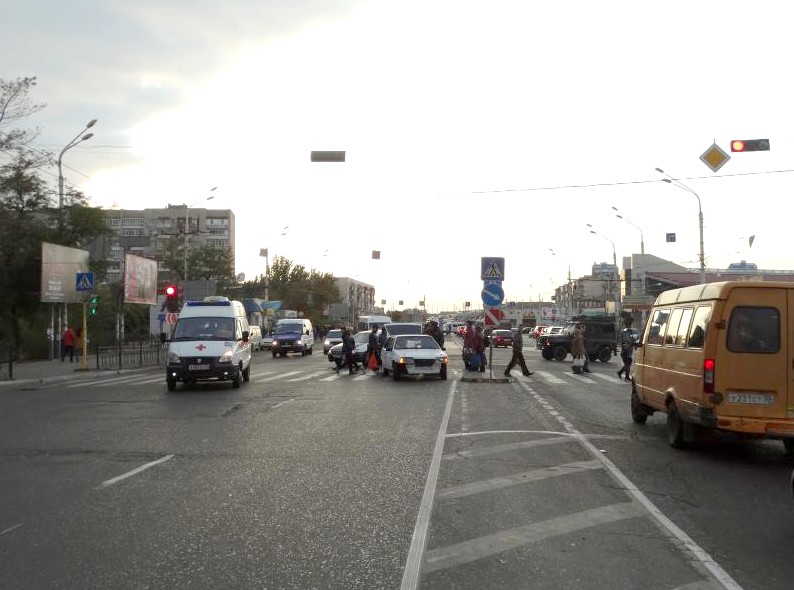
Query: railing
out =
(7, 360)
(130, 355)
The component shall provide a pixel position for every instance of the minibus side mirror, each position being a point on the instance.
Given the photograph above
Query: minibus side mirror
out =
(163, 337)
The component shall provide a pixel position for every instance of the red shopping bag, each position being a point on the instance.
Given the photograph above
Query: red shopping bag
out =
(372, 363)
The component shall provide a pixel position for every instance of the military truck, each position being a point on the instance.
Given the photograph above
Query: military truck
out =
(600, 339)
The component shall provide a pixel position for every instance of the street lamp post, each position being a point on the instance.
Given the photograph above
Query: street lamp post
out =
(187, 222)
(642, 238)
(570, 304)
(615, 264)
(681, 185)
(80, 137)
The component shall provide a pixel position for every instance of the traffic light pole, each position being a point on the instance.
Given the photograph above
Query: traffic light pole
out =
(84, 352)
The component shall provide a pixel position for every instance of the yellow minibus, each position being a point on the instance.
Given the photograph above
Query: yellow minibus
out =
(719, 356)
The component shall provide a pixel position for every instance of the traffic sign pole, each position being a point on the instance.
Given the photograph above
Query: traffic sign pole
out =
(84, 352)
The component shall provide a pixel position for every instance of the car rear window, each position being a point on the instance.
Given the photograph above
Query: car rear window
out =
(334, 334)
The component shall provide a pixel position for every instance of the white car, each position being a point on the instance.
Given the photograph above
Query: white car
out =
(413, 354)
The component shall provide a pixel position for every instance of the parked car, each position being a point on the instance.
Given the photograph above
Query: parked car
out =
(332, 338)
(267, 340)
(359, 353)
(395, 328)
(255, 337)
(502, 338)
(414, 354)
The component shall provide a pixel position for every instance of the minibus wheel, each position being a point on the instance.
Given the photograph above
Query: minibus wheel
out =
(170, 384)
(675, 427)
(788, 444)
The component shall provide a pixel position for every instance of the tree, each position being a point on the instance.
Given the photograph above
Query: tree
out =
(15, 105)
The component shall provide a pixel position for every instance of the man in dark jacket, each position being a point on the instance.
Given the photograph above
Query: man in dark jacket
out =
(373, 348)
(518, 355)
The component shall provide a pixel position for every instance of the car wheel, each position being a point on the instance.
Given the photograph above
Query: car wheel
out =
(546, 355)
(559, 353)
(395, 372)
(236, 381)
(638, 412)
(247, 373)
(275, 354)
(170, 384)
(605, 354)
(443, 374)
(788, 444)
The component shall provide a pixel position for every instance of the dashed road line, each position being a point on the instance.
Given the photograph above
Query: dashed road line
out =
(527, 444)
(137, 470)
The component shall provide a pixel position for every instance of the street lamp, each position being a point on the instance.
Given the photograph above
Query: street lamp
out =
(681, 185)
(570, 304)
(265, 252)
(615, 264)
(187, 222)
(642, 238)
(80, 137)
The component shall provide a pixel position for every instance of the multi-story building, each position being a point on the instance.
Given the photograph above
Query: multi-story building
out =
(149, 232)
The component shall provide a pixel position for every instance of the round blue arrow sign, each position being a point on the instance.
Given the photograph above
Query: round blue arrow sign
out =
(492, 294)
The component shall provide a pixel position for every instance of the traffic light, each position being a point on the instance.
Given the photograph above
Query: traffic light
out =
(171, 298)
(749, 145)
(93, 303)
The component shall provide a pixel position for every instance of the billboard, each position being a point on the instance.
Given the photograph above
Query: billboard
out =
(140, 280)
(59, 268)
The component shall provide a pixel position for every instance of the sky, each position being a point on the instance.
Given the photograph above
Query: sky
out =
(471, 129)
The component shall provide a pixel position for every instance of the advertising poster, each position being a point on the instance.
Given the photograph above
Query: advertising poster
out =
(140, 280)
(59, 268)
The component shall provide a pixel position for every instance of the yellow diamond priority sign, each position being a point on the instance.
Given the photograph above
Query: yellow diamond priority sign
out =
(714, 157)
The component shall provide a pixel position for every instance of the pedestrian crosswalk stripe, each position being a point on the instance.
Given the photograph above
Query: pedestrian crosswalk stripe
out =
(279, 376)
(307, 377)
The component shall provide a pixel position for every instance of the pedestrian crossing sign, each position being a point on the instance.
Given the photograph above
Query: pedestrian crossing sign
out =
(84, 281)
(492, 268)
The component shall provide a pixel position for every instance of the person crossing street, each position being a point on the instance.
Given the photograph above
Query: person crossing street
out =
(518, 354)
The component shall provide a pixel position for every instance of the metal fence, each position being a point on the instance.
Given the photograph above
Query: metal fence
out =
(131, 355)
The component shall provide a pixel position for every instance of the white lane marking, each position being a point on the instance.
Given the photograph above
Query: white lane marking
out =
(505, 481)
(555, 432)
(257, 377)
(9, 529)
(332, 378)
(279, 404)
(467, 551)
(606, 377)
(103, 381)
(664, 523)
(582, 378)
(152, 380)
(549, 377)
(464, 412)
(413, 563)
(135, 471)
(307, 377)
(279, 376)
(527, 444)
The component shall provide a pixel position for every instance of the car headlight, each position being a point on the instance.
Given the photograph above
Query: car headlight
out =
(442, 359)
(327, 343)
(275, 342)
(173, 358)
(226, 357)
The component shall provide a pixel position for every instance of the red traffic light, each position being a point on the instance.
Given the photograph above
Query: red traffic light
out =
(172, 291)
(749, 145)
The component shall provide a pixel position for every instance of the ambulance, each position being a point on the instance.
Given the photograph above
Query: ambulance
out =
(210, 341)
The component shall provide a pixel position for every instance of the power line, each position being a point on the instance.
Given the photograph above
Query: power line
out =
(623, 183)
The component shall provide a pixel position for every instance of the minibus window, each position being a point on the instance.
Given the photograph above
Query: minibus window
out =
(657, 326)
(754, 329)
(697, 332)
(672, 328)
(683, 327)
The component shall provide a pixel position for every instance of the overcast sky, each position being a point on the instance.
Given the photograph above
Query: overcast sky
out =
(471, 128)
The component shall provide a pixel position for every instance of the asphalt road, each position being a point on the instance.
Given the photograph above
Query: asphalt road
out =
(305, 479)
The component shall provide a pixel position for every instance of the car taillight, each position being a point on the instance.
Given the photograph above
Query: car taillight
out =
(708, 376)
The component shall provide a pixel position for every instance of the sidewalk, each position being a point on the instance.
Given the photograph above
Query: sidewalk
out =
(46, 372)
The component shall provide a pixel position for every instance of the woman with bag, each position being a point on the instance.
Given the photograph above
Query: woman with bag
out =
(578, 350)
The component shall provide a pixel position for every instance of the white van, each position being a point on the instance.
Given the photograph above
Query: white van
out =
(210, 341)
(293, 335)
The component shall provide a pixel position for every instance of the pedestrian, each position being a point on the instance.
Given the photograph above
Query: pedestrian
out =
(373, 349)
(518, 355)
(432, 329)
(78, 343)
(479, 348)
(469, 344)
(627, 345)
(577, 349)
(348, 348)
(67, 344)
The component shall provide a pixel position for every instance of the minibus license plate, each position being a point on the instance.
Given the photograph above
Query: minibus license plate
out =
(198, 367)
(751, 398)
